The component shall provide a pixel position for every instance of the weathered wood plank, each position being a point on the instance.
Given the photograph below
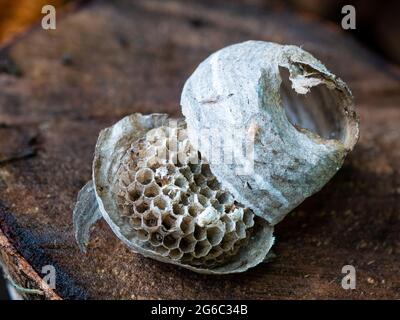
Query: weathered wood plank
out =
(111, 59)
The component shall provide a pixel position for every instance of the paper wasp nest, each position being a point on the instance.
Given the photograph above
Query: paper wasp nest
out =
(171, 194)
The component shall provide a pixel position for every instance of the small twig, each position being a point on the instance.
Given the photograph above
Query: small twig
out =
(22, 289)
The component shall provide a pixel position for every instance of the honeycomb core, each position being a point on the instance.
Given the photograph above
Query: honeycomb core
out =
(175, 206)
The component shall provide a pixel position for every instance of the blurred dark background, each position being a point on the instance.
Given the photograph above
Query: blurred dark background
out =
(377, 24)
(377, 27)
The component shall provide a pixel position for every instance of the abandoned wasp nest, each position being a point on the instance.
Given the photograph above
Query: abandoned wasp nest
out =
(205, 192)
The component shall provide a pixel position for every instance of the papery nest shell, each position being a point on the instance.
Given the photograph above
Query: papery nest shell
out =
(297, 144)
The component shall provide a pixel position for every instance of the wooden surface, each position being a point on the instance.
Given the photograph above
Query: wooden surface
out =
(106, 60)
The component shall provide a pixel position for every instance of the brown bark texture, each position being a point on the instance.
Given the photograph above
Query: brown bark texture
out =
(105, 60)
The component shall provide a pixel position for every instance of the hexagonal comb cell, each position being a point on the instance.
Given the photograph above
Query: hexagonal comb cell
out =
(200, 233)
(160, 202)
(141, 206)
(169, 222)
(156, 239)
(163, 201)
(134, 192)
(136, 221)
(171, 242)
(176, 254)
(194, 209)
(215, 235)
(144, 176)
(181, 181)
(150, 219)
(187, 225)
(187, 244)
(202, 248)
(152, 190)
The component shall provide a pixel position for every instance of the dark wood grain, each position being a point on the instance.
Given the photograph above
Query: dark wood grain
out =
(111, 59)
